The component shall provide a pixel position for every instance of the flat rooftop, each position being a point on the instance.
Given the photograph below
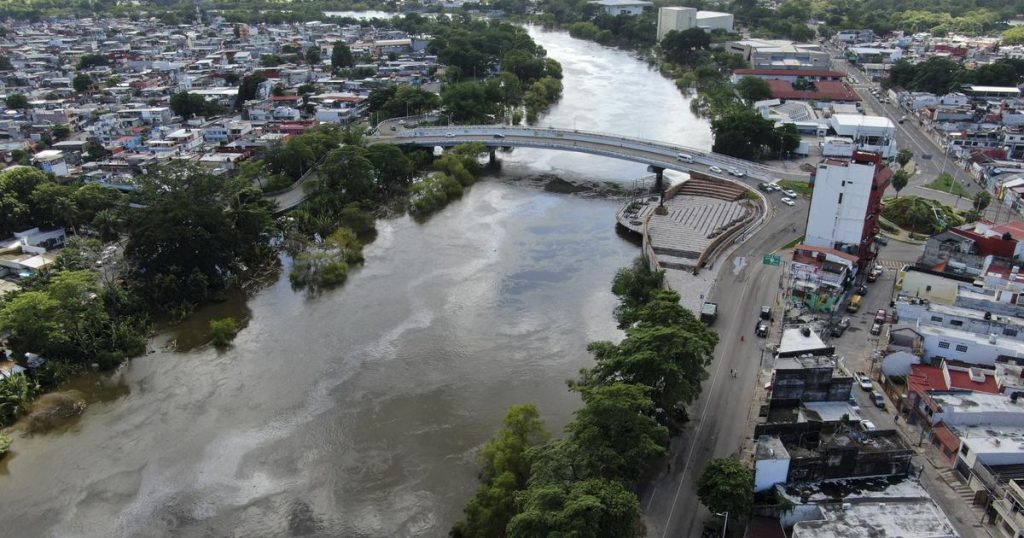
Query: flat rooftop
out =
(794, 340)
(992, 439)
(827, 412)
(1010, 344)
(800, 363)
(975, 402)
(903, 518)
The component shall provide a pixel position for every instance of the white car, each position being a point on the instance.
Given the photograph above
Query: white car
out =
(790, 193)
(868, 425)
(450, 135)
(787, 201)
(864, 381)
(715, 169)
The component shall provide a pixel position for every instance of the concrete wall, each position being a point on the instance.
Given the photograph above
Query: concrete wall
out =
(767, 473)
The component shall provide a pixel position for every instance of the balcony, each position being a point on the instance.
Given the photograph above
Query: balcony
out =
(1011, 510)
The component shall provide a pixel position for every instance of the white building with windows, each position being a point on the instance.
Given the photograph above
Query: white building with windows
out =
(876, 134)
(846, 202)
(683, 18)
(623, 7)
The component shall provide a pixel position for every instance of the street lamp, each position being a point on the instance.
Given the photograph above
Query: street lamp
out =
(726, 524)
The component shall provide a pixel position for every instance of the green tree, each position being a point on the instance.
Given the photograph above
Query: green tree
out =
(341, 55)
(60, 131)
(899, 180)
(223, 331)
(313, 56)
(394, 169)
(89, 61)
(590, 508)
(904, 156)
(726, 485)
(191, 233)
(53, 205)
(615, 431)
(247, 89)
(981, 201)
(669, 358)
(505, 470)
(743, 133)
(634, 286)
(17, 101)
(753, 89)
(81, 83)
(95, 151)
(938, 75)
(683, 47)
(1013, 36)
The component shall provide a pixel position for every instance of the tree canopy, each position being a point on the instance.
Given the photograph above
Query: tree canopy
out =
(726, 485)
(341, 55)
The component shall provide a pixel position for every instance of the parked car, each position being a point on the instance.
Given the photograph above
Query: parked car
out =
(765, 187)
(881, 240)
(766, 312)
(878, 400)
(715, 169)
(864, 381)
(868, 425)
(787, 201)
(861, 290)
(876, 329)
(790, 193)
(761, 329)
(839, 328)
(854, 303)
(772, 187)
(880, 315)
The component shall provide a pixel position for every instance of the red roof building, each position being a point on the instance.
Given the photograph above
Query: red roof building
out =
(825, 90)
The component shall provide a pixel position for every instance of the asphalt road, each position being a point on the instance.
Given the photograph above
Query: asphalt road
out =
(909, 134)
(718, 420)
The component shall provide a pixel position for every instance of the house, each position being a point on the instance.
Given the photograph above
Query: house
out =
(820, 275)
(52, 161)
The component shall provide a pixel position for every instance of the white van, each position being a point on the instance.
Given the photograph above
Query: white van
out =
(685, 158)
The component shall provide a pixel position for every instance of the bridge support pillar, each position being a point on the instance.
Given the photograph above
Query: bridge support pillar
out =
(492, 157)
(659, 179)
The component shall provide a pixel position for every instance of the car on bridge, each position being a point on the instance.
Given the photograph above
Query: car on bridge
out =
(787, 201)
(736, 172)
(715, 169)
(685, 158)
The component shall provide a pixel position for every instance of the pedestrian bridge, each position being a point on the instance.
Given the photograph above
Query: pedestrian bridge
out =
(659, 155)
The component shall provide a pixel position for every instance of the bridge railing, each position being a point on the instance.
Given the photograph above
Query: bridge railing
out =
(671, 150)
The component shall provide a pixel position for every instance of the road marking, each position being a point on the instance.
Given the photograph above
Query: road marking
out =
(738, 263)
(696, 434)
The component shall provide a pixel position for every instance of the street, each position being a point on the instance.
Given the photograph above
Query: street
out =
(718, 420)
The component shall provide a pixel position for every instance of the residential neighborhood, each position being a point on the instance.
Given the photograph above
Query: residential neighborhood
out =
(458, 269)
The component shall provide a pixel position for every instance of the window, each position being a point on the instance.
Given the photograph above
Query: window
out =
(956, 322)
(944, 345)
(961, 348)
(1009, 332)
(840, 198)
(937, 319)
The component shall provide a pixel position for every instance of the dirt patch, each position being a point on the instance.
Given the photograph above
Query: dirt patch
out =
(54, 410)
(562, 186)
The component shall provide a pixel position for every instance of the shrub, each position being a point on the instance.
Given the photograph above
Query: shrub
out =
(223, 331)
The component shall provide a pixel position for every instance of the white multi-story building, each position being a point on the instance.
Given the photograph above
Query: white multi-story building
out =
(876, 134)
(683, 18)
(623, 7)
(845, 203)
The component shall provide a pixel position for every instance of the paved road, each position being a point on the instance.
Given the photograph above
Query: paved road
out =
(718, 420)
(909, 134)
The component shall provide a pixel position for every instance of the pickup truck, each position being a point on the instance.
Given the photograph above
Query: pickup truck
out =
(709, 312)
